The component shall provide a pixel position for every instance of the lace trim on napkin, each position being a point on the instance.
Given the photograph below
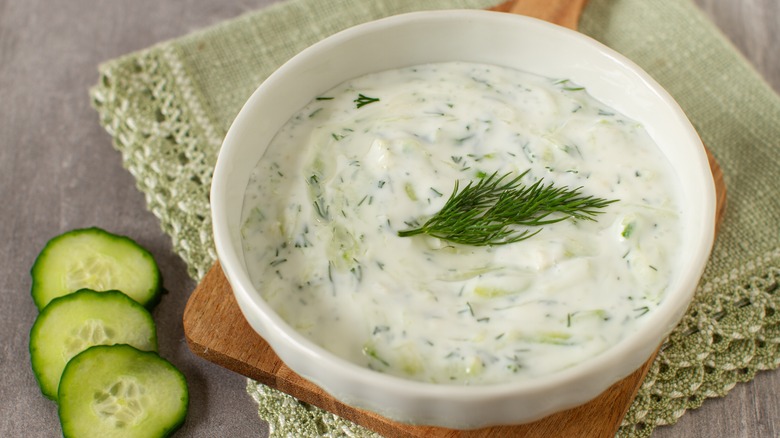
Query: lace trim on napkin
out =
(730, 332)
(148, 105)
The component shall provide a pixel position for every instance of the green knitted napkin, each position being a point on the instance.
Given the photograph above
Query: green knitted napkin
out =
(169, 106)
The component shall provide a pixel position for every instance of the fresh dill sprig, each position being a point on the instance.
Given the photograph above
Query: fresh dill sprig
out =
(363, 100)
(497, 210)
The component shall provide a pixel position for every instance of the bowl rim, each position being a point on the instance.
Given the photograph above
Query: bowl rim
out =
(286, 338)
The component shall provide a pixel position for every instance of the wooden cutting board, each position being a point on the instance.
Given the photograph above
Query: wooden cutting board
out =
(216, 330)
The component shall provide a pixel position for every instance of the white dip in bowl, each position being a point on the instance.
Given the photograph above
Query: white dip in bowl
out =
(383, 119)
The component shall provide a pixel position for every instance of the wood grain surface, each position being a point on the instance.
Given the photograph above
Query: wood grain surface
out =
(562, 12)
(58, 171)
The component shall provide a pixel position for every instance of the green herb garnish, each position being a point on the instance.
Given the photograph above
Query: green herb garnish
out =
(363, 100)
(492, 211)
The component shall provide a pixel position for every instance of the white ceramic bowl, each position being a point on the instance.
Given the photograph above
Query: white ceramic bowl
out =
(475, 36)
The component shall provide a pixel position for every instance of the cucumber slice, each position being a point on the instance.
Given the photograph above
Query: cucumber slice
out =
(92, 258)
(120, 391)
(77, 321)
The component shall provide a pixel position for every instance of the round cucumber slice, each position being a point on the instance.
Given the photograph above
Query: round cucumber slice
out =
(77, 321)
(120, 391)
(92, 258)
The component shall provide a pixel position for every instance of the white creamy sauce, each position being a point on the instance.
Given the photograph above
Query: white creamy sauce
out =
(325, 203)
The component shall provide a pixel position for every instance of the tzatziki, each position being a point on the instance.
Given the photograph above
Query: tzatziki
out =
(381, 153)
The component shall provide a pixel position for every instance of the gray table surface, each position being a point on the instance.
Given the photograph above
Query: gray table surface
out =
(58, 171)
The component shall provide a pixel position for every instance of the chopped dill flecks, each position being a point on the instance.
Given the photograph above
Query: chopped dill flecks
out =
(322, 211)
(364, 100)
(277, 262)
(528, 153)
(370, 352)
(566, 87)
(357, 271)
(380, 329)
(463, 139)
